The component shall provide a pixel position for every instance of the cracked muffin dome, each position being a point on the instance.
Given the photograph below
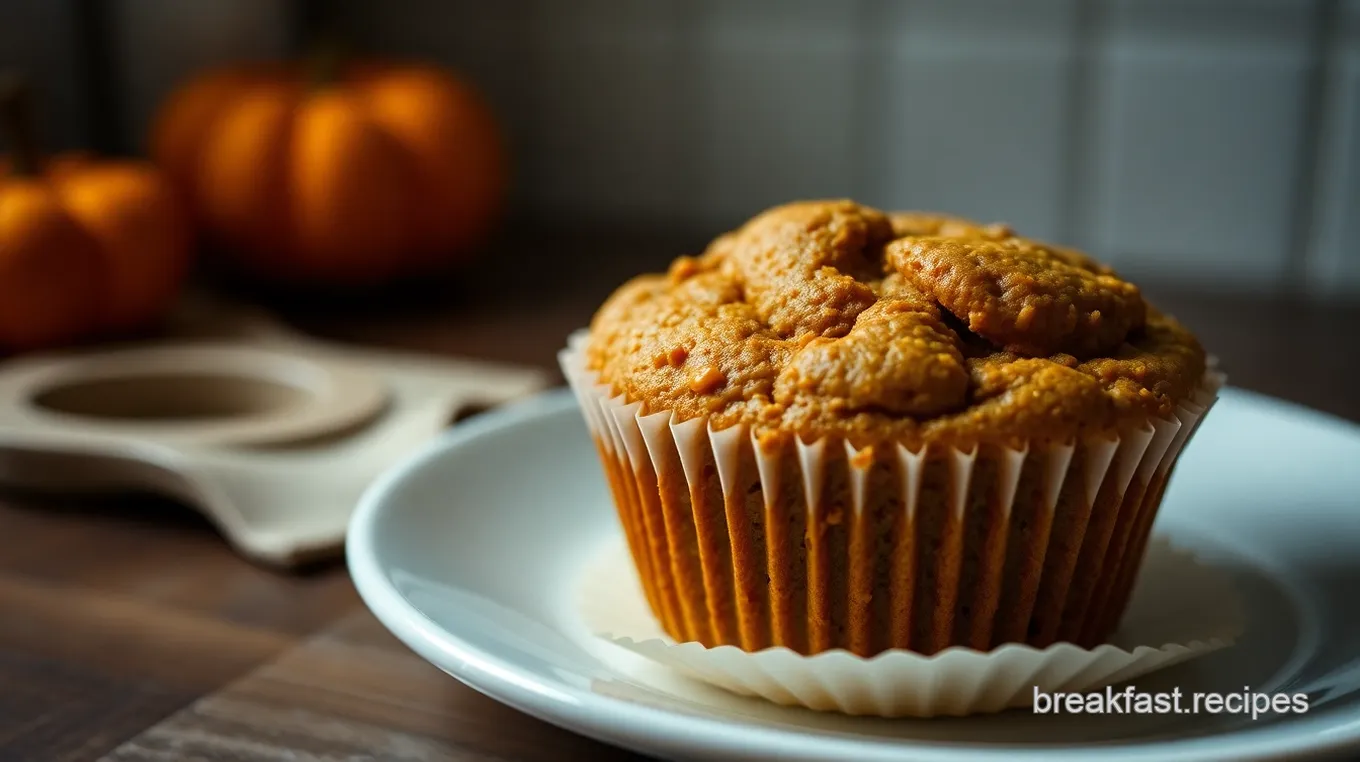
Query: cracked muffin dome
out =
(830, 318)
(1042, 368)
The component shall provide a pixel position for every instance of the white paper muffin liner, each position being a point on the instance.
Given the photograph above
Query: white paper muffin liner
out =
(790, 546)
(1190, 609)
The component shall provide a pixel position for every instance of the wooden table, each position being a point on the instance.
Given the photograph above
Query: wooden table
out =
(128, 631)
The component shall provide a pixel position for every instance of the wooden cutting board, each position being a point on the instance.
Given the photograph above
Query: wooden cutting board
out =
(269, 433)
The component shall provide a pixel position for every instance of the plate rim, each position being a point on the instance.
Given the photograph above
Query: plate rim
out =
(621, 722)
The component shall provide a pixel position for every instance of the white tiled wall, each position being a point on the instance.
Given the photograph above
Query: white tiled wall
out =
(774, 103)
(1167, 135)
(974, 121)
(1334, 246)
(1200, 119)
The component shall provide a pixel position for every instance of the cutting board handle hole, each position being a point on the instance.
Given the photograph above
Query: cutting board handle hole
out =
(169, 397)
(467, 410)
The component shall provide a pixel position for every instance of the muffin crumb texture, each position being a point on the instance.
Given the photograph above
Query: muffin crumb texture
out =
(835, 319)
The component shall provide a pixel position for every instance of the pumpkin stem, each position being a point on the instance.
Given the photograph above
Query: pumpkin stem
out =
(326, 60)
(16, 124)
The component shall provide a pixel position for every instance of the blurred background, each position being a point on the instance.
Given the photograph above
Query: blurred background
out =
(1215, 143)
(1209, 149)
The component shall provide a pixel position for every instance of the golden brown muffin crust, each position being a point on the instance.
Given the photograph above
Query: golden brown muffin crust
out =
(1020, 295)
(831, 318)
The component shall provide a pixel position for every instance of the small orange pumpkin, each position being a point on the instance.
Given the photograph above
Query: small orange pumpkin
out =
(343, 173)
(87, 247)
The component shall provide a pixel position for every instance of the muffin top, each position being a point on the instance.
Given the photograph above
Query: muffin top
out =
(829, 318)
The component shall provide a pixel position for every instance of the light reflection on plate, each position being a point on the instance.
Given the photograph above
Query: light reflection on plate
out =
(468, 553)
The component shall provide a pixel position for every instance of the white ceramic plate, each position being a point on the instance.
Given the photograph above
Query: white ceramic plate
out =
(469, 553)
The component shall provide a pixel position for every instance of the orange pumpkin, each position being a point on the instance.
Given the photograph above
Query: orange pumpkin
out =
(87, 247)
(359, 173)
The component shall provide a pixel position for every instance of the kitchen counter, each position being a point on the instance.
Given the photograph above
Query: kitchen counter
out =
(129, 631)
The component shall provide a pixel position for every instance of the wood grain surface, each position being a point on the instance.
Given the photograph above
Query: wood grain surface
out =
(129, 631)
(353, 693)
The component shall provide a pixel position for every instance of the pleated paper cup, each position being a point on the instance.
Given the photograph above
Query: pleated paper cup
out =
(1186, 607)
(760, 542)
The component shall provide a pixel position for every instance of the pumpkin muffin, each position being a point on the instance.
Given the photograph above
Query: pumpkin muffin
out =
(840, 428)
